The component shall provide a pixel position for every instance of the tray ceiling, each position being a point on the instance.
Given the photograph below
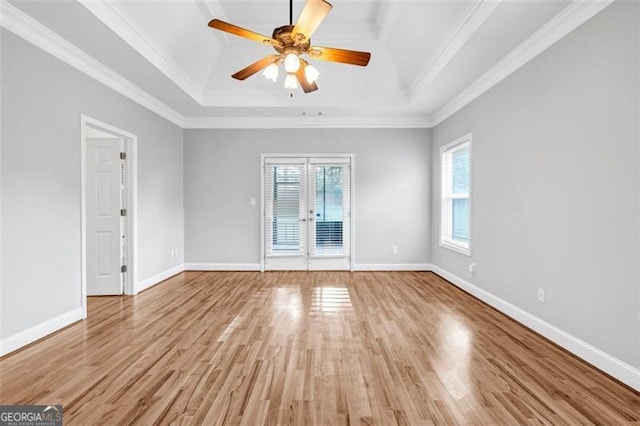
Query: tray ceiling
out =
(426, 55)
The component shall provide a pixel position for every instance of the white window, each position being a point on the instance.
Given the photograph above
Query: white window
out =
(455, 202)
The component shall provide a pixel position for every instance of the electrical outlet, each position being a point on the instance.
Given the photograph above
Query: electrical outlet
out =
(541, 295)
(472, 268)
(394, 250)
(252, 201)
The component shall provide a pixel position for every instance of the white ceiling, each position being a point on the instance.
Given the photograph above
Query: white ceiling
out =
(426, 55)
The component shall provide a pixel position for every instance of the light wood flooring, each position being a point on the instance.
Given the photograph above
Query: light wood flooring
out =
(319, 348)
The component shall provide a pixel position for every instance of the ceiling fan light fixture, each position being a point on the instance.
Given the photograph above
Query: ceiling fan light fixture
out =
(271, 72)
(311, 74)
(292, 43)
(291, 62)
(290, 82)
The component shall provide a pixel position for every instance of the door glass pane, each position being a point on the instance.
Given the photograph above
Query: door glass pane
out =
(460, 213)
(286, 208)
(328, 209)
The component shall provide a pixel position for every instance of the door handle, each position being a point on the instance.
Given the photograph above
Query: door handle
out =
(311, 211)
(310, 219)
(303, 220)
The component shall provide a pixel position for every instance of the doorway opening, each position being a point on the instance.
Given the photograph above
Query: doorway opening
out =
(307, 220)
(108, 217)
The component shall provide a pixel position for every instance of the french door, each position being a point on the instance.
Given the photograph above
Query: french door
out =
(307, 213)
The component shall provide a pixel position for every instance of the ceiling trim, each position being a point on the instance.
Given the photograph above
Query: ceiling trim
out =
(383, 19)
(22, 25)
(390, 99)
(112, 15)
(477, 15)
(27, 28)
(570, 18)
(299, 122)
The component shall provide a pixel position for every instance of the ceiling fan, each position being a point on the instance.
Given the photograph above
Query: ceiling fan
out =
(291, 42)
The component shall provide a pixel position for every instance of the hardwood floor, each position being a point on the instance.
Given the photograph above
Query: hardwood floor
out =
(318, 348)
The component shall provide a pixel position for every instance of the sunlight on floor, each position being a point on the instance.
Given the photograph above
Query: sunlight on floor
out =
(330, 299)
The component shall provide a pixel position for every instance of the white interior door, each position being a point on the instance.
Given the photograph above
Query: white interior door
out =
(105, 190)
(307, 213)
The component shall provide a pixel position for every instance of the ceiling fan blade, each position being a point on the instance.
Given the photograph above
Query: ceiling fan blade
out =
(255, 67)
(239, 31)
(312, 15)
(302, 80)
(352, 57)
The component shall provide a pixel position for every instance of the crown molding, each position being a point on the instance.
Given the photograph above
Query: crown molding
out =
(574, 15)
(27, 28)
(473, 19)
(383, 20)
(112, 15)
(283, 99)
(299, 122)
(570, 18)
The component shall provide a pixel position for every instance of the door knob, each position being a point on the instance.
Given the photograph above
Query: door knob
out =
(311, 211)
(303, 220)
(310, 219)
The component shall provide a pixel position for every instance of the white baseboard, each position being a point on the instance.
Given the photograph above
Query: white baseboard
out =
(598, 358)
(356, 267)
(222, 266)
(151, 281)
(39, 331)
(391, 267)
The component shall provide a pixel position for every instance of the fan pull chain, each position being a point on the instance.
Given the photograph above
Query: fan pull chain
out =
(291, 14)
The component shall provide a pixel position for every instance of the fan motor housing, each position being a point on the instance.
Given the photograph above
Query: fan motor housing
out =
(283, 35)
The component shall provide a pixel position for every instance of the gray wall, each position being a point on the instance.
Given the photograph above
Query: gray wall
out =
(42, 100)
(222, 172)
(555, 184)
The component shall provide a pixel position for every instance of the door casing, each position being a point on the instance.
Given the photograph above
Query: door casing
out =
(130, 142)
(352, 228)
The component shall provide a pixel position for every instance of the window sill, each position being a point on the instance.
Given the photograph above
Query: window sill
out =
(456, 247)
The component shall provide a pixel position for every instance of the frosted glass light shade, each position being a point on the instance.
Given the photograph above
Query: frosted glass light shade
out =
(271, 72)
(291, 82)
(311, 74)
(291, 62)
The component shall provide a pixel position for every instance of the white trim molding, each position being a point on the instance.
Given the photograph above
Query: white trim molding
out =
(570, 18)
(478, 14)
(563, 23)
(130, 142)
(391, 267)
(356, 267)
(23, 338)
(589, 353)
(158, 278)
(222, 267)
(304, 122)
(113, 16)
(29, 29)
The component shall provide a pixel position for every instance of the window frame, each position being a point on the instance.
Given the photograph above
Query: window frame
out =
(446, 196)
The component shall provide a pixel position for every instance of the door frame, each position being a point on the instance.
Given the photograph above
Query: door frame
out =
(352, 231)
(130, 144)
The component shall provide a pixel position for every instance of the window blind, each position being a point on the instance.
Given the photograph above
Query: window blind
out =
(455, 198)
(329, 212)
(284, 189)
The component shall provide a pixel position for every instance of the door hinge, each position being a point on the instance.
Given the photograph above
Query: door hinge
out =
(123, 268)
(123, 212)
(123, 155)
